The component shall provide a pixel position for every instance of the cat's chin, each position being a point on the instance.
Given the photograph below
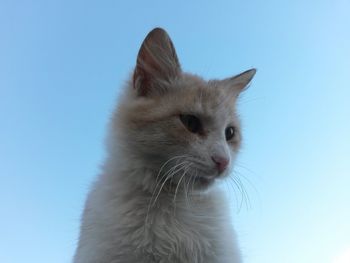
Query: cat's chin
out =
(204, 182)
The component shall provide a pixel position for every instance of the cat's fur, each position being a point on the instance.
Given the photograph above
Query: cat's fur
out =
(155, 200)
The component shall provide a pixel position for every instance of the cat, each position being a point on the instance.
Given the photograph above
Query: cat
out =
(172, 136)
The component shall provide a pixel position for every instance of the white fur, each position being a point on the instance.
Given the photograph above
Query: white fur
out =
(114, 231)
(142, 209)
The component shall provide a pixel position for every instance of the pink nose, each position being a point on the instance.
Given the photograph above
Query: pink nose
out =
(220, 162)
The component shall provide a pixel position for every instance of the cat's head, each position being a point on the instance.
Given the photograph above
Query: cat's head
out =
(177, 123)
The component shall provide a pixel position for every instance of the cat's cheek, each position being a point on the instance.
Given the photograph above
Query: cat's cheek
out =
(234, 147)
(235, 143)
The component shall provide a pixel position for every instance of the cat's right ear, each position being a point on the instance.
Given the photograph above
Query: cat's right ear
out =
(235, 85)
(157, 64)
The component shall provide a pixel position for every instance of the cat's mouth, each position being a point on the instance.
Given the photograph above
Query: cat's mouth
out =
(205, 180)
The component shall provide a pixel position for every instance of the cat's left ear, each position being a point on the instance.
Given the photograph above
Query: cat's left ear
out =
(239, 82)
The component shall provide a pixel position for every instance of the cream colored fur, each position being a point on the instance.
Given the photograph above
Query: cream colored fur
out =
(156, 198)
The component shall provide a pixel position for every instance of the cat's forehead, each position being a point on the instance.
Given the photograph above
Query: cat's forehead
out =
(207, 98)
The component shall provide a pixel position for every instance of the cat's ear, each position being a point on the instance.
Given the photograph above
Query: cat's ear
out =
(239, 82)
(157, 63)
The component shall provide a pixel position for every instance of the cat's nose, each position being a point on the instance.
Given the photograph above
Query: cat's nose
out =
(220, 162)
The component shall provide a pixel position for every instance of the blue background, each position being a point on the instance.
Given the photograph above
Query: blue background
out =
(63, 62)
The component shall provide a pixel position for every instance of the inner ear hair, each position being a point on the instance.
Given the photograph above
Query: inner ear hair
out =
(157, 62)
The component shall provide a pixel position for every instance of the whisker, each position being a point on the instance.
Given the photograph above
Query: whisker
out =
(177, 188)
(158, 182)
(170, 174)
(169, 171)
(175, 157)
(186, 191)
(248, 204)
(239, 188)
(247, 180)
(244, 194)
(228, 184)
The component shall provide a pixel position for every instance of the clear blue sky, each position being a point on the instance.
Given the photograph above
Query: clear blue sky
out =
(63, 62)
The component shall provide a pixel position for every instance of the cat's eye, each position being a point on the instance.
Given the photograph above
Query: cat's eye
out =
(230, 133)
(191, 122)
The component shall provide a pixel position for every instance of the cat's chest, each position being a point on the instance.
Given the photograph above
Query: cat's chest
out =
(184, 234)
(190, 231)
(189, 221)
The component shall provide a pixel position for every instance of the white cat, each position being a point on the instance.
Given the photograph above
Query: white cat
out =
(172, 136)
